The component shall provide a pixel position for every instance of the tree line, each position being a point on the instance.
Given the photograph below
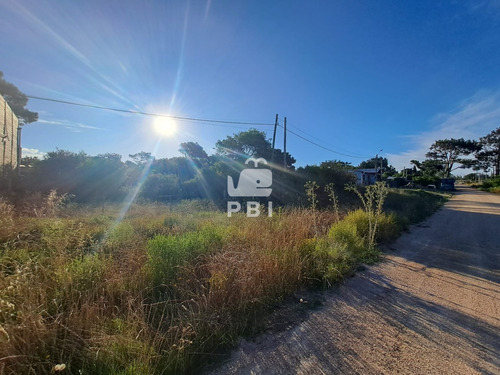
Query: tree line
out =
(448, 155)
(194, 175)
(197, 175)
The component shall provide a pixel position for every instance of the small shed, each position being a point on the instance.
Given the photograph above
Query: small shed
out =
(366, 176)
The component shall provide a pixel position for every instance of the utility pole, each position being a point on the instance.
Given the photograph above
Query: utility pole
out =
(284, 145)
(376, 163)
(274, 138)
(19, 150)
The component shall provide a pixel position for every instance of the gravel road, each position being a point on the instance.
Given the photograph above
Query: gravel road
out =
(431, 307)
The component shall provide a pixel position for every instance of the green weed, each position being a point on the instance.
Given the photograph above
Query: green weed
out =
(163, 290)
(167, 253)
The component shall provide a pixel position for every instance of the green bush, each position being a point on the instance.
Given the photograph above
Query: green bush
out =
(347, 243)
(330, 261)
(387, 227)
(491, 183)
(346, 234)
(167, 253)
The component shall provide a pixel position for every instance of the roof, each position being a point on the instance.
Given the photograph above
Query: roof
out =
(366, 171)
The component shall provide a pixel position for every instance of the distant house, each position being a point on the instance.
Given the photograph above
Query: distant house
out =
(366, 176)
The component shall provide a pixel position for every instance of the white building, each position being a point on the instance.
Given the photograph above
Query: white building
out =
(366, 176)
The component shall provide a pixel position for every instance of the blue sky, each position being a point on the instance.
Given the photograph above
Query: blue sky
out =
(353, 76)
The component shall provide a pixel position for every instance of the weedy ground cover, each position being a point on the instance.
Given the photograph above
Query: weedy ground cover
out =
(165, 288)
(492, 185)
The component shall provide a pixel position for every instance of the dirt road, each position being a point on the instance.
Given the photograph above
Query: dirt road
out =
(431, 307)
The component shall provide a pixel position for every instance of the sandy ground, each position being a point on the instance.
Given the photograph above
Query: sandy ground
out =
(431, 307)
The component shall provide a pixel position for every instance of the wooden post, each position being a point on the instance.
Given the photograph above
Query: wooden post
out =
(274, 138)
(284, 145)
(19, 150)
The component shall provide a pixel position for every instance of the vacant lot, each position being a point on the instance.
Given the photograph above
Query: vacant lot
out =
(163, 289)
(432, 307)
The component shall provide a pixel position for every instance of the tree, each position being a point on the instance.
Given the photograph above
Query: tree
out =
(336, 165)
(29, 161)
(278, 159)
(193, 151)
(142, 158)
(242, 145)
(249, 143)
(489, 155)
(428, 168)
(416, 164)
(179, 166)
(449, 152)
(161, 187)
(333, 173)
(59, 170)
(374, 163)
(17, 102)
(101, 178)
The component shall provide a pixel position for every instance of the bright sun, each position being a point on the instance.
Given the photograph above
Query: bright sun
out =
(165, 126)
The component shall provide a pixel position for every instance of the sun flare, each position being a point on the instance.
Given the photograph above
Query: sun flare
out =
(165, 126)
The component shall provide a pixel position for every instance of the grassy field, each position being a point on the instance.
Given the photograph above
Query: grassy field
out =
(165, 288)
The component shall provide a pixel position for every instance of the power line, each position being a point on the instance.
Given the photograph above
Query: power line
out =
(323, 147)
(191, 119)
(149, 113)
(317, 139)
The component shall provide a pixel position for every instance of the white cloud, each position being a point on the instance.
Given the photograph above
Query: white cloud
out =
(471, 119)
(33, 152)
(488, 8)
(74, 126)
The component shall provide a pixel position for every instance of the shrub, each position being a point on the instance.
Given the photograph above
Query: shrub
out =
(167, 253)
(330, 260)
(352, 234)
(387, 228)
(492, 184)
(373, 201)
(346, 234)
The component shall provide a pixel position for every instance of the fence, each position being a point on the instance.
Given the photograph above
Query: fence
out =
(9, 146)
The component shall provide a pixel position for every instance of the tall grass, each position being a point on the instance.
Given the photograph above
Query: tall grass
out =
(165, 290)
(492, 185)
(412, 206)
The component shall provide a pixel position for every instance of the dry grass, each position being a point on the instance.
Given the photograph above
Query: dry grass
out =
(77, 288)
(163, 291)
